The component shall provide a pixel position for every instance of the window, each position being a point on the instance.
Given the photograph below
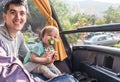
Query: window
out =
(75, 14)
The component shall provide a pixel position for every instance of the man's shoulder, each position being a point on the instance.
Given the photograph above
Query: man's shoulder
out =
(3, 29)
(3, 48)
(2, 26)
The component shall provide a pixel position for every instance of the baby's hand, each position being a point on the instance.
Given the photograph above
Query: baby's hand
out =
(47, 53)
(54, 56)
(49, 59)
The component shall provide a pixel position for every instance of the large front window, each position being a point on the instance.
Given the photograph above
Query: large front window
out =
(74, 14)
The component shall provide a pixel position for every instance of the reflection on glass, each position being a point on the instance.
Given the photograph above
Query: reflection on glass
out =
(78, 13)
(111, 39)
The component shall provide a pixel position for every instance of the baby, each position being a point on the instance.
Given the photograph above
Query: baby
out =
(40, 59)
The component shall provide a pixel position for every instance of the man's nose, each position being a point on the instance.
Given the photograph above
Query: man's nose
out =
(18, 16)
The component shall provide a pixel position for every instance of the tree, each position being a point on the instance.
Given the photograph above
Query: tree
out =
(112, 15)
(70, 19)
(109, 15)
(35, 17)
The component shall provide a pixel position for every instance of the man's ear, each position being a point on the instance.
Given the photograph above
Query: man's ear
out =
(4, 16)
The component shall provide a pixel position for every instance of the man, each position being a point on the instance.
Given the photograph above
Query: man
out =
(15, 16)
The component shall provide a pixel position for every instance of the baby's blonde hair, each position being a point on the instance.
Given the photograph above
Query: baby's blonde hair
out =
(47, 29)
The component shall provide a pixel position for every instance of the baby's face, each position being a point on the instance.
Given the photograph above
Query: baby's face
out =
(49, 38)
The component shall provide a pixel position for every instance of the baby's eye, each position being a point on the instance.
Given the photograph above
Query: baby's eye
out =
(49, 35)
(55, 37)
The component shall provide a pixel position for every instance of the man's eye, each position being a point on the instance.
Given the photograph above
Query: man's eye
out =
(22, 13)
(12, 12)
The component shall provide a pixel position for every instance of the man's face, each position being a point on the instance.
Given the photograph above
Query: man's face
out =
(15, 17)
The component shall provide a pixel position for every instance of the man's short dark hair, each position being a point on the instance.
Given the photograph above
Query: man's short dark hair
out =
(7, 3)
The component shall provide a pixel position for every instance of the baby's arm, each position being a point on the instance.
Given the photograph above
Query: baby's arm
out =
(52, 54)
(36, 59)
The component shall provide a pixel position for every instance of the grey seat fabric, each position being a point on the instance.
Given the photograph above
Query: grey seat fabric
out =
(63, 66)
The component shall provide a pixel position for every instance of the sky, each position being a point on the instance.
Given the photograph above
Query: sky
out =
(107, 1)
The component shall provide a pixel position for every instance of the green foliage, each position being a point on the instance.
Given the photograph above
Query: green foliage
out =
(62, 12)
(117, 45)
(31, 40)
(109, 14)
(100, 22)
(70, 20)
(26, 39)
(112, 15)
(75, 18)
(72, 38)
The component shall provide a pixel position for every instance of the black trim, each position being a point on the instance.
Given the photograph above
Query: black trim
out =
(97, 28)
(109, 50)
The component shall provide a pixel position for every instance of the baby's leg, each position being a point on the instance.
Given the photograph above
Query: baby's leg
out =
(57, 71)
(30, 66)
(45, 71)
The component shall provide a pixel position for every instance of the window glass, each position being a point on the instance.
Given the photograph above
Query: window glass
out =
(35, 23)
(73, 14)
(101, 38)
(109, 37)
